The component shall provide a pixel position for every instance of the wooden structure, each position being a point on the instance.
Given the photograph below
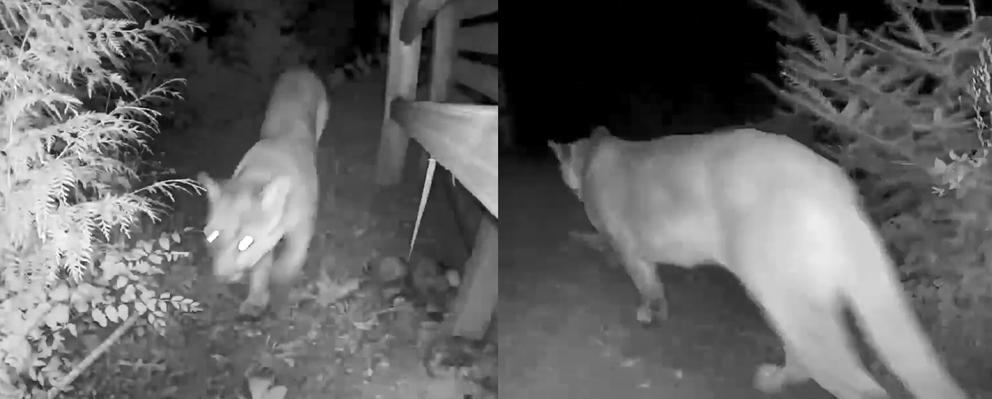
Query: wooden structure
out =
(453, 124)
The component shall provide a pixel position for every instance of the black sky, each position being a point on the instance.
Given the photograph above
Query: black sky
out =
(571, 65)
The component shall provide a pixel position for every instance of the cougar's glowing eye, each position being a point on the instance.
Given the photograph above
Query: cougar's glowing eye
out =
(213, 236)
(245, 243)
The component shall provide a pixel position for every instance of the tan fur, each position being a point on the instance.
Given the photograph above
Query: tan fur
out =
(272, 195)
(787, 222)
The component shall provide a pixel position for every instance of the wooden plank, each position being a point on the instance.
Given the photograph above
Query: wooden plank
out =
(479, 291)
(401, 82)
(481, 77)
(479, 38)
(462, 138)
(474, 8)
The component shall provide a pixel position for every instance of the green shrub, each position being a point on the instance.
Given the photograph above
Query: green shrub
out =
(74, 134)
(910, 102)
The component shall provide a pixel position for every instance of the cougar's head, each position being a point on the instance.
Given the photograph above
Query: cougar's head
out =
(572, 158)
(244, 222)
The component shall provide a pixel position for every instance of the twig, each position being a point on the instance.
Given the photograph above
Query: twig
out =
(63, 383)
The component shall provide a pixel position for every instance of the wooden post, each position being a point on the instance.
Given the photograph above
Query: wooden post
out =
(443, 53)
(479, 291)
(401, 81)
(442, 58)
(419, 14)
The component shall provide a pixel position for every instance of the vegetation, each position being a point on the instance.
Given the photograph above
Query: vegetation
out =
(908, 104)
(74, 192)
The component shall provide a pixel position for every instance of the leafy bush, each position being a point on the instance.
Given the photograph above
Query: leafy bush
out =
(909, 103)
(75, 131)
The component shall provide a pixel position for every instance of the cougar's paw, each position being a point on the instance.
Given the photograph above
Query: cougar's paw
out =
(651, 311)
(770, 378)
(251, 310)
(644, 315)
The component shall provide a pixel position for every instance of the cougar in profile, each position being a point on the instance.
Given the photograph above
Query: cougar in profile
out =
(272, 195)
(786, 221)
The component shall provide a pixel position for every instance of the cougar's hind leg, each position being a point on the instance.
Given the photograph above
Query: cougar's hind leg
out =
(817, 345)
(258, 289)
(801, 302)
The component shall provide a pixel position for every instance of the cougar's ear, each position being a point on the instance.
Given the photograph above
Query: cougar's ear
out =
(559, 151)
(600, 130)
(213, 188)
(275, 192)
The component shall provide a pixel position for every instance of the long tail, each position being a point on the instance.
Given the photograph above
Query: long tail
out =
(890, 325)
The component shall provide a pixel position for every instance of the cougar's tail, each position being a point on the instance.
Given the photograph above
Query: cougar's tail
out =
(889, 323)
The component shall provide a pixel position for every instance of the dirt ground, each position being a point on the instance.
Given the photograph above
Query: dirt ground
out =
(568, 328)
(319, 346)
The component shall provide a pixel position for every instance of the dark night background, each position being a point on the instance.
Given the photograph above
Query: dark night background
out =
(642, 67)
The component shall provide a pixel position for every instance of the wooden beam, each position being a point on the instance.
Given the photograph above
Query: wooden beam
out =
(481, 77)
(479, 38)
(474, 8)
(479, 291)
(416, 17)
(463, 138)
(401, 82)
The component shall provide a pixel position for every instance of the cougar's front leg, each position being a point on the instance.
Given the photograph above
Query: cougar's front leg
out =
(293, 256)
(645, 276)
(258, 289)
